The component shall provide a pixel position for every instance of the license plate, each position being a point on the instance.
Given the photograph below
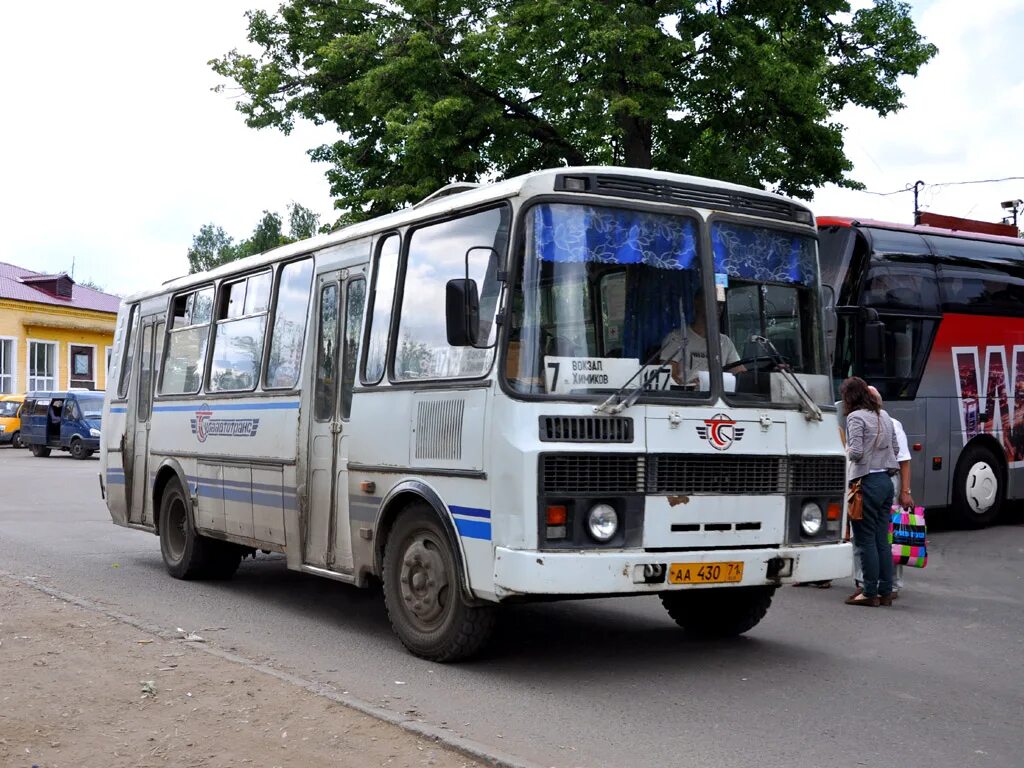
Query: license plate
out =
(705, 573)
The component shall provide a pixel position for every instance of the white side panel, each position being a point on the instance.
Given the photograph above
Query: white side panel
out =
(238, 500)
(210, 511)
(268, 504)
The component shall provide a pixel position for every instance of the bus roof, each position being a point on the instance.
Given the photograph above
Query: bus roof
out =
(537, 182)
(843, 221)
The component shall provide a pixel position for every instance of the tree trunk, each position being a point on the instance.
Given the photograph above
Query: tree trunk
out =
(636, 141)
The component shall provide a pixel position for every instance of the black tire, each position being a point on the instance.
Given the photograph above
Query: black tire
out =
(78, 450)
(16, 441)
(718, 612)
(979, 487)
(40, 451)
(423, 594)
(186, 554)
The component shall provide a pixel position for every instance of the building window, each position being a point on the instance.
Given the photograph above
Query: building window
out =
(42, 365)
(7, 357)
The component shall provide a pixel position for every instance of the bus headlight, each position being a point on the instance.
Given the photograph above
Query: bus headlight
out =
(602, 522)
(811, 519)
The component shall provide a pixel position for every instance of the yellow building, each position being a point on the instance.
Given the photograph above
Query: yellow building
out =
(54, 334)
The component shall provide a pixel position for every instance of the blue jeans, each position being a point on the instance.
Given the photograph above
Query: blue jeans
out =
(871, 534)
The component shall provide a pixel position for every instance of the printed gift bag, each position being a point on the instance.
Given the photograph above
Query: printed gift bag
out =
(908, 537)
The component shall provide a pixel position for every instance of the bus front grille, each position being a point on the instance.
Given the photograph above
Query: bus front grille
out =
(817, 474)
(672, 473)
(592, 474)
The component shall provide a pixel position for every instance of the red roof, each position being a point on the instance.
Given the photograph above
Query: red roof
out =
(13, 286)
(847, 221)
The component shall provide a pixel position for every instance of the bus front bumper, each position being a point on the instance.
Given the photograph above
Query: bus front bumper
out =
(530, 572)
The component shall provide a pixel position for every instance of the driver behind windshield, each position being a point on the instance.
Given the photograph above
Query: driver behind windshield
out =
(689, 354)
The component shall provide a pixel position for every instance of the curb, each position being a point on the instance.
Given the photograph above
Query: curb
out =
(468, 747)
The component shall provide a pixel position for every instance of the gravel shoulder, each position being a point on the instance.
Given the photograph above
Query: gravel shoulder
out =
(83, 689)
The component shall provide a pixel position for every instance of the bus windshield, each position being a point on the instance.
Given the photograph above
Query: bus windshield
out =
(603, 292)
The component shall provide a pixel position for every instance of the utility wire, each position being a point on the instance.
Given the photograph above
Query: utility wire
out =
(910, 187)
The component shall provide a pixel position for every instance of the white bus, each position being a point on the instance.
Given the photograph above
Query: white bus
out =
(504, 393)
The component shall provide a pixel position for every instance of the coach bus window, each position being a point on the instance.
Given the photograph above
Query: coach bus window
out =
(187, 340)
(289, 325)
(993, 291)
(383, 296)
(354, 302)
(129, 344)
(438, 253)
(901, 286)
(326, 385)
(238, 347)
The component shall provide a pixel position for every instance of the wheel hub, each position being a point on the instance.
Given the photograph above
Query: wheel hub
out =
(424, 580)
(176, 533)
(982, 487)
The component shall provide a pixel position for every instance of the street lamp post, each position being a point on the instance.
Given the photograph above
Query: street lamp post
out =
(1014, 207)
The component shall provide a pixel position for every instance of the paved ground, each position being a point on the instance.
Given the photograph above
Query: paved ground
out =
(935, 681)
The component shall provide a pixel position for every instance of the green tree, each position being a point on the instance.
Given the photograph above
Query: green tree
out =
(213, 246)
(424, 92)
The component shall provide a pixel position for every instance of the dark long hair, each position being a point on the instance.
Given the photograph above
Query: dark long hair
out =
(855, 395)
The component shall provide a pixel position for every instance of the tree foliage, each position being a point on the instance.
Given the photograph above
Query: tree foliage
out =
(424, 92)
(212, 246)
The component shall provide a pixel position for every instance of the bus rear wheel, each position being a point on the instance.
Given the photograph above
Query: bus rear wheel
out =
(718, 612)
(423, 595)
(186, 554)
(40, 451)
(978, 487)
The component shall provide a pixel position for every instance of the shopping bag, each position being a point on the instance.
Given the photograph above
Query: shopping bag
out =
(908, 537)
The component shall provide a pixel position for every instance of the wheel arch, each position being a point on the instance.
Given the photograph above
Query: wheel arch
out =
(169, 470)
(395, 502)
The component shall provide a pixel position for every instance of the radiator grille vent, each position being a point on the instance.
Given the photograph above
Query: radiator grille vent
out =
(817, 474)
(586, 429)
(685, 474)
(731, 475)
(592, 474)
(439, 429)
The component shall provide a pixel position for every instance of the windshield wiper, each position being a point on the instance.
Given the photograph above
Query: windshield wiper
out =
(611, 407)
(812, 412)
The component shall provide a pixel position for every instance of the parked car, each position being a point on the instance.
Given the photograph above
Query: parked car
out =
(66, 421)
(10, 424)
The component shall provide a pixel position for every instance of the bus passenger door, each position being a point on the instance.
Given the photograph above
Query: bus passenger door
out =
(140, 509)
(326, 515)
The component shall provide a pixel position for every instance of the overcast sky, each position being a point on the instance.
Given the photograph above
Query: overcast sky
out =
(114, 150)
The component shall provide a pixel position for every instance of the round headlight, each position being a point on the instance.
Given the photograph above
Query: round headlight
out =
(603, 522)
(811, 519)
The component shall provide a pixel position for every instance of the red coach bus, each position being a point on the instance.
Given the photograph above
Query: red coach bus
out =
(934, 318)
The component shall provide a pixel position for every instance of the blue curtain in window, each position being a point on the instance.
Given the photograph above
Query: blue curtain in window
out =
(580, 233)
(652, 308)
(764, 255)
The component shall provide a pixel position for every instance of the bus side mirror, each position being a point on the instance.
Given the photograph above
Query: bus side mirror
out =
(873, 341)
(462, 312)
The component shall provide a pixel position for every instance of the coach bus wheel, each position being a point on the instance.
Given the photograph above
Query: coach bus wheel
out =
(187, 555)
(39, 450)
(422, 593)
(718, 612)
(978, 489)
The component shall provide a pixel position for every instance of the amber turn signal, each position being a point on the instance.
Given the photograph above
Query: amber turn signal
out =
(557, 514)
(835, 511)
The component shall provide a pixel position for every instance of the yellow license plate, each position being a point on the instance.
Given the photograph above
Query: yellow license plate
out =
(705, 573)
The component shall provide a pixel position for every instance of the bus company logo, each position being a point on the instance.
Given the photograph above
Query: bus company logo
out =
(204, 425)
(720, 431)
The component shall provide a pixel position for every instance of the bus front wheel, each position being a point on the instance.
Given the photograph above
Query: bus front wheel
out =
(186, 554)
(423, 595)
(718, 612)
(978, 487)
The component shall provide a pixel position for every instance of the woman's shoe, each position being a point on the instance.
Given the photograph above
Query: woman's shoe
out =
(886, 599)
(862, 599)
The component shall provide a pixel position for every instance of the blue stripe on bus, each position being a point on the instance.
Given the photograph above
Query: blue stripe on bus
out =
(470, 511)
(291, 405)
(473, 529)
(119, 410)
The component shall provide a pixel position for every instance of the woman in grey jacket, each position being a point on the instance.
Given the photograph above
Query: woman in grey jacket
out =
(872, 448)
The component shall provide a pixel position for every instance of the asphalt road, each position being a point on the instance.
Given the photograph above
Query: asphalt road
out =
(938, 680)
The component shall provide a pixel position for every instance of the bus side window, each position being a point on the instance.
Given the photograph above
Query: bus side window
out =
(355, 299)
(131, 331)
(285, 360)
(188, 336)
(382, 299)
(241, 328)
